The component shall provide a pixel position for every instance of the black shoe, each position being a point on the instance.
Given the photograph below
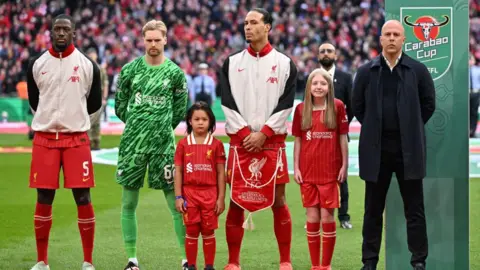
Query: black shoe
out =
(419, 266)
(209, 267)
(346, 225)
(31, 134)
(192, 267)
(131, 266)
(368, 267)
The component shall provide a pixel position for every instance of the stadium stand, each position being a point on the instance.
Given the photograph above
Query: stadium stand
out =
(198, 31)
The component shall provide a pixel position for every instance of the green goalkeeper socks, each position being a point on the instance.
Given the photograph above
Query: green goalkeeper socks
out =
(129, 220)
(177, 221)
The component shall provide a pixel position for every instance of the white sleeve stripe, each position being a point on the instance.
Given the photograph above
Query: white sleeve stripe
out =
(235, 121)
(278, 120)
(210, 139)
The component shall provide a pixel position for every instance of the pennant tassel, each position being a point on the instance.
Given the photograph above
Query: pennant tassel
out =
(248, 223)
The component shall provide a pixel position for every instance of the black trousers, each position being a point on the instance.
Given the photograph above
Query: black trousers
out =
(343, 210)
(375, 196)
(474, 103)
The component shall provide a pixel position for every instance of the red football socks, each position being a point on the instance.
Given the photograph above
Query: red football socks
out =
(328, 242)
(313, 237)
(209, 247)
(282, 224)
(234, 232)
(191, 243)
(43, 224)
(86, 225)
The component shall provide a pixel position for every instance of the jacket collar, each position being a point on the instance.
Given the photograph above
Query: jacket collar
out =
(268, 48)
(69, 50)
(406, 61)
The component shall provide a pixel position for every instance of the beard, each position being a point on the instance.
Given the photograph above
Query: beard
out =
(326, 62)
(153, 52)
(61, 47)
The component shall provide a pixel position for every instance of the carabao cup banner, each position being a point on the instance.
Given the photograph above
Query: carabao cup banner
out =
(429, 37)
(437, 35)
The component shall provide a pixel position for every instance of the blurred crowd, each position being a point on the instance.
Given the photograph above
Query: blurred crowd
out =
(199, 31)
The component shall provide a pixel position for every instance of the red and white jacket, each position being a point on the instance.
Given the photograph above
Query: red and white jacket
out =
(64, 90)
(258, 91)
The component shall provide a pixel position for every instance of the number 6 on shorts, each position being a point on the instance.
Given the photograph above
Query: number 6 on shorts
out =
(169, 171)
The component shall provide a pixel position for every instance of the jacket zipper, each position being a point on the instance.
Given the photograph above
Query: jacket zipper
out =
(257, 80)
(59, 86)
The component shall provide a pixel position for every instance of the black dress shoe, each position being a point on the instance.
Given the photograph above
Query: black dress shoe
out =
(369, 267)
(419, 266)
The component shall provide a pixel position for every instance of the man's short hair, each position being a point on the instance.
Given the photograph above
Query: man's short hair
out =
(154, 25)
(328, 43)
(91, 50)
(64, 17)
(267, 17)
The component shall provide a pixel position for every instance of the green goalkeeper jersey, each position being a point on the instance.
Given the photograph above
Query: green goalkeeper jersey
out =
(151, 101)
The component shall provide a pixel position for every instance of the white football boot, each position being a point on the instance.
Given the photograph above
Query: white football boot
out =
(40, 266)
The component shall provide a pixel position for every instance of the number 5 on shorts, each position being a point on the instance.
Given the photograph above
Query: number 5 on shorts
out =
(85, 169)
(169, 171)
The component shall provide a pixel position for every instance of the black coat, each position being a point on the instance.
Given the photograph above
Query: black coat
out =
(415, 106)
(342, 84)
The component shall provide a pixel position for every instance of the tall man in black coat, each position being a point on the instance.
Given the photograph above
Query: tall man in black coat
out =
(342, 84)
(393, 97)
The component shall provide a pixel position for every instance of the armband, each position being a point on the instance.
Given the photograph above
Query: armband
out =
(178, 197)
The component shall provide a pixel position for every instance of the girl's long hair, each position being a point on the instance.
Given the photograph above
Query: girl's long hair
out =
(330, 115)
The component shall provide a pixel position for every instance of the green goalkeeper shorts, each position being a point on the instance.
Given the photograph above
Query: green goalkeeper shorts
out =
(132, 167)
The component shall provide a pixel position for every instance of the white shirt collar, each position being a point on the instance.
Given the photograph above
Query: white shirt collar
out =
(396, 61)
(331, 71)
(191, 139)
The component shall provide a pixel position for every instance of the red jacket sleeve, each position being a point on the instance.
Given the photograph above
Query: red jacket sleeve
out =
(297, 121)
(179, 153)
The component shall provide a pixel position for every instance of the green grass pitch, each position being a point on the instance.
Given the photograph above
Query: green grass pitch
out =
(157, 247)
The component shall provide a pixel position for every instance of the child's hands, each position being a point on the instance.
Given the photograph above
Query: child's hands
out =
(298, 176)
(180, 205)
(219, 207)
(342, 175)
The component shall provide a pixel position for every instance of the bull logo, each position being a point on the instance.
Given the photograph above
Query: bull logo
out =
(426, 27)
(430, 39)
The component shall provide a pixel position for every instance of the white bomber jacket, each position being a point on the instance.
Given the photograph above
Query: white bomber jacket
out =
(64, 90)
(258, 91)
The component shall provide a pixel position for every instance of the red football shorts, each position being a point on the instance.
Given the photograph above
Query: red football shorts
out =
(324, 196)
(273, 144)
(201, 201)
(70, 151)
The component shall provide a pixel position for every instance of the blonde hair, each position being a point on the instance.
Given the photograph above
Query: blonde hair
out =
(155, 25)
(330, 115)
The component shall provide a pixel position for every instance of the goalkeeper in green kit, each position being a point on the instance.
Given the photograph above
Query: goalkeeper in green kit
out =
(151, 100)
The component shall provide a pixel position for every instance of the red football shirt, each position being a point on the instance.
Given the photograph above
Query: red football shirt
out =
(199, 161)
(320, 152)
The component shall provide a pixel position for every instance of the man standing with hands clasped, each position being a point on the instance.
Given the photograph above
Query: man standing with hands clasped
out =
(393, 98)
(258, 89)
